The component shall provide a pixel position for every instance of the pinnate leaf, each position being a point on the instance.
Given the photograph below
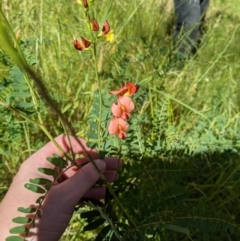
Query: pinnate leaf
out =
(18, 86)
(21, 220)
(48, 186)
(103, 233)
(27, 210)
(91, 144)
(39, 213)
(48, 171)
(34, 188)
(40, 181)
(21, 94)
(93, 135)
(17, 230)
(14, 238)
(95, 224)
(178, 229)
(40, 199)
(57, 161)
(23, 104)
(93, 125)
(90, 215)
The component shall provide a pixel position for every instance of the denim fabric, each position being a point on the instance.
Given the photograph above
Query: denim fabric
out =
(189, 18)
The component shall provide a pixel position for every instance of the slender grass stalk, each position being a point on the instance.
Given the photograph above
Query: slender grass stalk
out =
(220, 55)
(100, 95)
(26, 133)
(41, 21)
(6, 8)
(183, 104)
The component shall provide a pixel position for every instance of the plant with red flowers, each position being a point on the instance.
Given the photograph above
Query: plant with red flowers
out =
(121, 111)
(84, 44)
(96, 33)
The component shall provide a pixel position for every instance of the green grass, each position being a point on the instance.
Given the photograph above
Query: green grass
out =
(194, 110)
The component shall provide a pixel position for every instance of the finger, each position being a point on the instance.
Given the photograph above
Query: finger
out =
(113, 163)
(73, 189)
(100, 192)
(109, 174)
(96, 193)
(66, 143)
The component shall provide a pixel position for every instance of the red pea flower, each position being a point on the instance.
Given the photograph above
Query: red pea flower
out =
(123, 108)
(127, 89)
(94, 25)
(119, 127)
(81, 45)
(106, 27)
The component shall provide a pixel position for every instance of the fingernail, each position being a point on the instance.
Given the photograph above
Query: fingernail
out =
(101, 165)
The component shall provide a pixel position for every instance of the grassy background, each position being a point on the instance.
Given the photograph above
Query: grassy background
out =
(208, 83)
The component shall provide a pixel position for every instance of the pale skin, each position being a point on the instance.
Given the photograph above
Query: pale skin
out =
(58, 207)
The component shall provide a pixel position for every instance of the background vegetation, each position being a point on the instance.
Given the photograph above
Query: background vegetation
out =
(182, 164)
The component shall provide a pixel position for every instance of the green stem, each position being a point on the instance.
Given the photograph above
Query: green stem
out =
(150, 97)
(151, 103)
(94, 44)
(131, 220)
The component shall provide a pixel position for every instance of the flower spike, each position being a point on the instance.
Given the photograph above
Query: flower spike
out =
(81, 45)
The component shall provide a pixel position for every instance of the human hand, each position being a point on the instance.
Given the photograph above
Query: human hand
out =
(58, 206)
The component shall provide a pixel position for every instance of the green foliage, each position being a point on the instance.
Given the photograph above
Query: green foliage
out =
(95, 224)
(57, 161)
(27, 210)
(48, 171)
(22, 220)
(98, 119)
(34, 188)
(41, 181)
(178, 229)
(14, 238)
(18, 230)
(180, 178)
(41, 186)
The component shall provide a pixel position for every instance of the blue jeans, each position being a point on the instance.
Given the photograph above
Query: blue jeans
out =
(189, 18)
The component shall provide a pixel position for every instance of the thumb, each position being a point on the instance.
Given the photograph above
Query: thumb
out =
(75, 187)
